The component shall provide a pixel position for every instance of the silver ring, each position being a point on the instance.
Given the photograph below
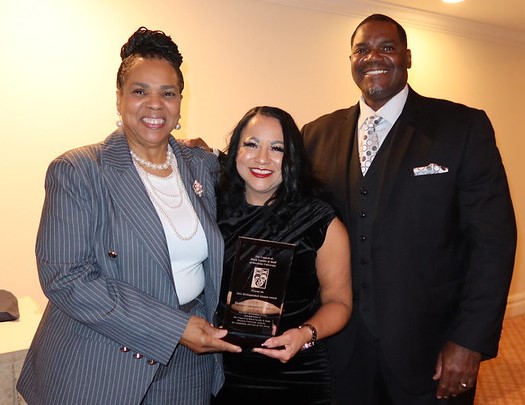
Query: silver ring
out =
(463, 385)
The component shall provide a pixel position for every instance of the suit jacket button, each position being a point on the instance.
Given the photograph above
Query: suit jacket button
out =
(362, 214)
(363, 191)
(138, 356)
(151, 362)
(112, 254)
(124, 349)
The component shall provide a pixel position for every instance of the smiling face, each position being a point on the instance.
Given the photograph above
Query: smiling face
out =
(149, 103)
(380, 62)
(259, 158)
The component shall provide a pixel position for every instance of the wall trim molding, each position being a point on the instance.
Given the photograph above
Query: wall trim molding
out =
(412, 16)
(515, 305)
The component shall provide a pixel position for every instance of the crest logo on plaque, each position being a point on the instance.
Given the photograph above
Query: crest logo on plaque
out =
(260, 277)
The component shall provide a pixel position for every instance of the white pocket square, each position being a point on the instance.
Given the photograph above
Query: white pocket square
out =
(431, 168)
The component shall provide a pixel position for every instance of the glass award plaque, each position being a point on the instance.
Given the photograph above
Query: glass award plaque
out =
(257, 289)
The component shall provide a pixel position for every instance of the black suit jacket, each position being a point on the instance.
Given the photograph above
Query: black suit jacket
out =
(442, 245)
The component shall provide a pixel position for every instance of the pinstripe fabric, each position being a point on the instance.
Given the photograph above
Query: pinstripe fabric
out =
(95, 204)
(197, 386)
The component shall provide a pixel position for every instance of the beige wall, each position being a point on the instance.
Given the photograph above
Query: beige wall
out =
(59, 60)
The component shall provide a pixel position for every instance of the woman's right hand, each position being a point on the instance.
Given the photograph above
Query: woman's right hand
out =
(201, 337)
(285, 346)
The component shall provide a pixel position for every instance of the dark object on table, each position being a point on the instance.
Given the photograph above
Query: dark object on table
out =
(8, 307)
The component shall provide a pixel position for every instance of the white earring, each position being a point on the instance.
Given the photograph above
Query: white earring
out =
(119, 121)
(178, 126)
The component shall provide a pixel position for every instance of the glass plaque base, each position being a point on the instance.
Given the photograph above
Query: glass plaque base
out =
(257, 289)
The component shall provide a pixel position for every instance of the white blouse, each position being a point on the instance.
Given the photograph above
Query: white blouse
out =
(187, 243)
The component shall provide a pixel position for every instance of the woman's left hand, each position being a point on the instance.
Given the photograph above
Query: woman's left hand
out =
(285, 346)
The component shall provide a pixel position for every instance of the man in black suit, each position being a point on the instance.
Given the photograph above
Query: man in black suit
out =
(432, 228)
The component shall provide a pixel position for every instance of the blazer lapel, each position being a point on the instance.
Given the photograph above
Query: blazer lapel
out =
(354, 168)
(128, 194)
(193, 176)
(402, 134)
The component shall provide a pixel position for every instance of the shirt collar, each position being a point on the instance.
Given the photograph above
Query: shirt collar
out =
(390, 112)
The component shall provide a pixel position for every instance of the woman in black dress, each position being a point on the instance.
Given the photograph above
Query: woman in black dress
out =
(267, 192)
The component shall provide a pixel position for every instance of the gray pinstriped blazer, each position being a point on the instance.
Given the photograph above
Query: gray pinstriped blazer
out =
(95, 204)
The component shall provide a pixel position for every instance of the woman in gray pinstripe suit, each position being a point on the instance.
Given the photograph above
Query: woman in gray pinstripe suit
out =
(129, 255)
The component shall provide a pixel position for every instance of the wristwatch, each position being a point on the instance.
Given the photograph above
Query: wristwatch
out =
(312, 341)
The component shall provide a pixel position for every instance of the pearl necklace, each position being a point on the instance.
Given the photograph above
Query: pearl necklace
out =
(151, 165)
(155, 195)
(158, 193)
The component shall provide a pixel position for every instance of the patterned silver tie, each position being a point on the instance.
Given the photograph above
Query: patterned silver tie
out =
(370, 142)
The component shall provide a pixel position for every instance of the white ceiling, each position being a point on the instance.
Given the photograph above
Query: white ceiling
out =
(502, 20)
(506, 14)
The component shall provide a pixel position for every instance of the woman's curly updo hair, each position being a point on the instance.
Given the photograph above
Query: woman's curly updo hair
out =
(145, 43)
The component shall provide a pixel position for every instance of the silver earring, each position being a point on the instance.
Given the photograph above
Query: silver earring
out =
(119, 121)
(178, 126)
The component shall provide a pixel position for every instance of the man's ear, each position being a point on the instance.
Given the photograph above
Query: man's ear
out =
(409, 59)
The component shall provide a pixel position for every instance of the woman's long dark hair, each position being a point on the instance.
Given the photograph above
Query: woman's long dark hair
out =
(298, 183)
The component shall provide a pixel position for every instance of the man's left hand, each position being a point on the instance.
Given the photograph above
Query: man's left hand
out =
(456, 370)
